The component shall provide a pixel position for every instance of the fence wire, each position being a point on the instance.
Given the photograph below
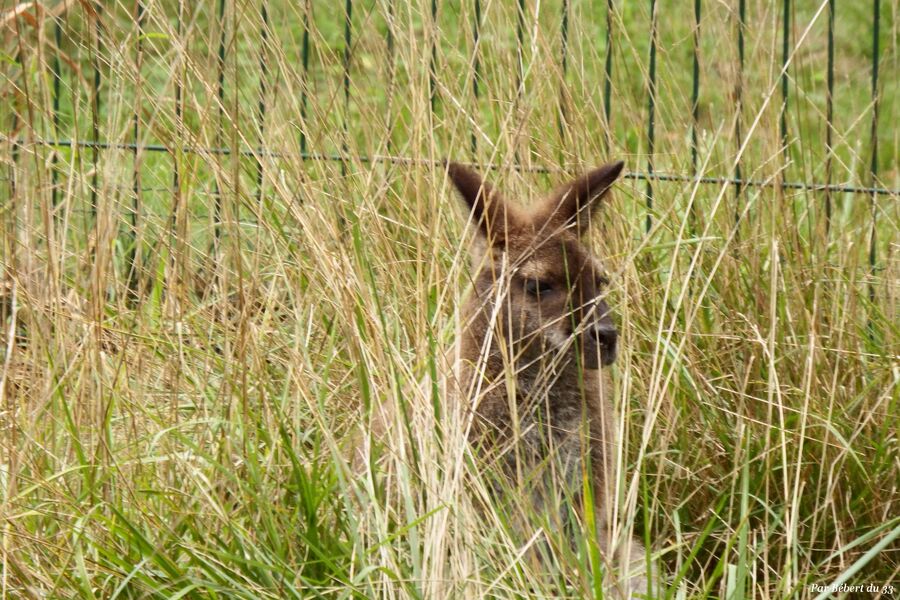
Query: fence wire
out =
(114, 48)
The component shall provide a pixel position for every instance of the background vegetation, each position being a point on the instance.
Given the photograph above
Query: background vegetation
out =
(197, 313)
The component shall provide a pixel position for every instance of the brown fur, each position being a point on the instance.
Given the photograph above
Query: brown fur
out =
(536, 331)
(553, 413)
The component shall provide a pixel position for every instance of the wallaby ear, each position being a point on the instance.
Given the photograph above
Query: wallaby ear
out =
(581, 196)
(488, 208)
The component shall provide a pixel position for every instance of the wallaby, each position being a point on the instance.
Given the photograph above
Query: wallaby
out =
(536, 332)
(537, 311)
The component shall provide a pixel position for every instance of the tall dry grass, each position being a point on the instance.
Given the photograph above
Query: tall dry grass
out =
(189, 335)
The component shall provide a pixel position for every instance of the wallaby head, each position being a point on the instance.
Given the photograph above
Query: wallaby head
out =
(535, 271)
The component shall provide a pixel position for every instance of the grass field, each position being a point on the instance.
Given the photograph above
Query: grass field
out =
(189, 335)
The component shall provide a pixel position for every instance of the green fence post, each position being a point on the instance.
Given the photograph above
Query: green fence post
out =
(392, 75)
(520, 73)
(432, 73)
(829, 117)
(133, 278)
(564, 56)
(695, 104)
(348, 21)
(520, 47)
(873, 170)
(607, 80)
(476, 32)
(220, 92)
(785, 53)
(95, 108)
(304, 51)
(695, 88)
(57, 84)
(651, 113)
(738, 133)
(261, 105)
(179, 125)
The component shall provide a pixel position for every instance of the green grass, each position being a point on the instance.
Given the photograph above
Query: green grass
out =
(187, 439)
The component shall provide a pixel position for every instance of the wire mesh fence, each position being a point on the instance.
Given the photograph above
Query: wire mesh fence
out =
(785, 95)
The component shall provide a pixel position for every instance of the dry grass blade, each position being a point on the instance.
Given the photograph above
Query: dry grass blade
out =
(227, 233)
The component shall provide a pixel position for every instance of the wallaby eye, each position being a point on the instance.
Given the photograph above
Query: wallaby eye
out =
(538, 288)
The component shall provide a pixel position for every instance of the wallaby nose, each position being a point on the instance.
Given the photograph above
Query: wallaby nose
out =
(606, 337)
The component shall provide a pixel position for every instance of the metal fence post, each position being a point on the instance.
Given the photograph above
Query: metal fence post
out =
(607, 71)
(348, 23)
(695, 104)
(651, 113)
(220, 93)
(133, 276)
(304, 51)
(873, 169)
(738, 133)
(261, 105)
(476, 32)
(829, 115)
